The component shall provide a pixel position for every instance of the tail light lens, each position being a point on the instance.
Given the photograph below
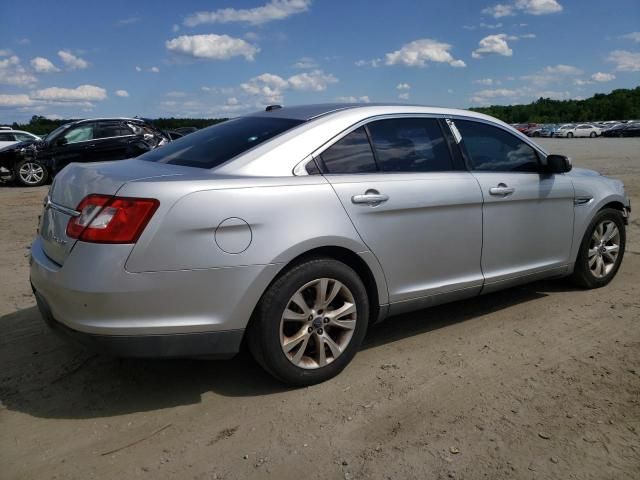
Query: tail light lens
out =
(106, 219)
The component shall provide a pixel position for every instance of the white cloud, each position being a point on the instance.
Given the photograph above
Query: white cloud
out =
(483, 96)
(403, 86)
(13, 73)
(14, 101)
(5, 52)
(71, 61)
(532, 7)
(500, 10)
(625, 61)
(562, 69)
(122, 93)
(305, 63)
(633, 36)
(353, 99)
(138, 69)
(154, 70)
(212, 47)
(554, 74)
(419, 52)
(83, 93)
(528, 35)
(316, 81)
(24, 41)
(484, 81)
(403, 96)
(369, 63)
(43, 65)
(271, 87)
(602, 77)
(274, 10)
(232, 101)
(493, 44)
(127, 21)
(175, 94)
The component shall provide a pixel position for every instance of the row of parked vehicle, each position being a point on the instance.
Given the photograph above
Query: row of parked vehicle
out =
(630, 128)
(31, 161)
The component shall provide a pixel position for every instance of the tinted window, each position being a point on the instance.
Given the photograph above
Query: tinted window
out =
(22, 137)
(112, 129)
(80, 134)
(491, 149)
(215, 145)
(410, 145)
(351, 154)
(7, 137)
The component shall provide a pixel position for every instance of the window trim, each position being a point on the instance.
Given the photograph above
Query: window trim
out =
(300, 168)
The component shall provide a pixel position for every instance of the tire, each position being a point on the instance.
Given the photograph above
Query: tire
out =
(593, 134)
(30, 173)
(269, 330)
(569, 135)
(587, 276)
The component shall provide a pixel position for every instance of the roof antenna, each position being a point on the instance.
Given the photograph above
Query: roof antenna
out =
(270, 108)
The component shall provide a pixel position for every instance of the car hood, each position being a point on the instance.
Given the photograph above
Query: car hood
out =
(583, 172)
(15, 147)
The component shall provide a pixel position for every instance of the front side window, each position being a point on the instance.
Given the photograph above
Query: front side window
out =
(79, 134)
(351, 154)
(491, 149)
(410, 145)
(212, 146)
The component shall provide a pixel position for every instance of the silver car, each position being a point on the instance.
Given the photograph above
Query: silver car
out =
(296, 228)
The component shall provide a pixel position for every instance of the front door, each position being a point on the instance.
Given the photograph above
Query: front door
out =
(419, 215)
(527, 215)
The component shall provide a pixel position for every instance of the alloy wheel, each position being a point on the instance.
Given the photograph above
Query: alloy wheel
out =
(318, 323)
(31, 173)
(604, 248)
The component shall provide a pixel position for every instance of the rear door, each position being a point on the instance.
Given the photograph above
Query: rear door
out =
(416, 210)
(111, 141)
(527, 214)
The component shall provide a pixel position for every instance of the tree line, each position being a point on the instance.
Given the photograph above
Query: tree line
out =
(621, 104)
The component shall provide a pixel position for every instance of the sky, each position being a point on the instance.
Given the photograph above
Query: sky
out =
(223, 58)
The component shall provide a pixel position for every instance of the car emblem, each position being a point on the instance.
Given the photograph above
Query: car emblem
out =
(58, 240)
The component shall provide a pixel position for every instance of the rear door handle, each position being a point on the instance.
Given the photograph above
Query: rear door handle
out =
(370, 197)
(501, 190)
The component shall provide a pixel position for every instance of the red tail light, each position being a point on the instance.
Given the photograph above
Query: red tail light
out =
(106, 219)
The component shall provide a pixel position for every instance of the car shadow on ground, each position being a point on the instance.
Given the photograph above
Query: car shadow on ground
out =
(46, 377)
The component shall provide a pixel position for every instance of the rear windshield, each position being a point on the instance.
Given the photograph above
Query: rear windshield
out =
(214, 145)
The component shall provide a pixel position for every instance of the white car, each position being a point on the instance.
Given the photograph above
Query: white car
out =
(9, 137)
(581, 130)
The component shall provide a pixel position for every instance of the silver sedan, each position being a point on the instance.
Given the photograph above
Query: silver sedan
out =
(296, 228)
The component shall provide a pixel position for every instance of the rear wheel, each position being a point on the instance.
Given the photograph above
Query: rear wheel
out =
(601, 250)
(593, 134)
(29, 173)
(569, 135)
(310, 322)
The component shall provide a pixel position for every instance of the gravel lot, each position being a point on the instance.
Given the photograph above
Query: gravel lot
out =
(541, 381)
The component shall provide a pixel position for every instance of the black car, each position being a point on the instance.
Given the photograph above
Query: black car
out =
(32, 163)
(631, 130)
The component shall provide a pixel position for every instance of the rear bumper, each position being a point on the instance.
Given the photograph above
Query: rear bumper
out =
(222, 344)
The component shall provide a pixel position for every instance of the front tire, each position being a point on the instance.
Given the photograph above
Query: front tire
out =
(310, 322)
(569, 135)
(601, 250)
(29, 173)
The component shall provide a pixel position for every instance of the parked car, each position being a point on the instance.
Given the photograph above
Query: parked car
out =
(580, 130)
(297, 227)
(623, 130)
(533, 131)
(632, 130)
(9, 136)
(31, 163)
(522, 127)
(549, 130)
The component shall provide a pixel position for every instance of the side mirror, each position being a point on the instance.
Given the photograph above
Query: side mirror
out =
(558, 164)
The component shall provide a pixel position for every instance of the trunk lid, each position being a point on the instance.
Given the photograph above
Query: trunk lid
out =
(78, 180)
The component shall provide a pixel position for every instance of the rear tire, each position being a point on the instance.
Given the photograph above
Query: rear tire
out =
(299, 335)
(569, 135)
(30, 173)
(601, 250)
(593, 134)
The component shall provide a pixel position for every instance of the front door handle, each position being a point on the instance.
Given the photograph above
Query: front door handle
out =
(370, 197)
(501, 190)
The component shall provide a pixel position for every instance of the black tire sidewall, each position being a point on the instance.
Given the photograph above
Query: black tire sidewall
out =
(19, 180)
(585, 277)
(267, 325)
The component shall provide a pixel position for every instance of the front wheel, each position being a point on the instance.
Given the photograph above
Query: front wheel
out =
(569, 135)
(601, 250)
(310, 322)
(593, 134)
(29, 173)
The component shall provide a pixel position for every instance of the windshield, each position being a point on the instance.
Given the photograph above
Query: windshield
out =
(214, 145)
(57, 131)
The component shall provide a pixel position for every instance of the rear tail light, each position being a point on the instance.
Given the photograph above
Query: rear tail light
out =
(106, 219)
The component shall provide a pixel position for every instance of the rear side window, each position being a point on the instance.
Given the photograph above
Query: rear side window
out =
(410, 145)
(7, 137)
(214, 145)
(491, 149)
(351, 154)
(23, 137)
(112, 129)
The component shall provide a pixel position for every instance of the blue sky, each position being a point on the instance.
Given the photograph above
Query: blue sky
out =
(224, 58)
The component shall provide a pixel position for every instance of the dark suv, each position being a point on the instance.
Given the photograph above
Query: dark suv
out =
(33, 162)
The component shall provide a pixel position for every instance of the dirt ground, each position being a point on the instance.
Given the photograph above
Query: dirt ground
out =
(537, 382)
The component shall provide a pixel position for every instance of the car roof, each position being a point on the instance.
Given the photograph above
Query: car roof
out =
(314, 111)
